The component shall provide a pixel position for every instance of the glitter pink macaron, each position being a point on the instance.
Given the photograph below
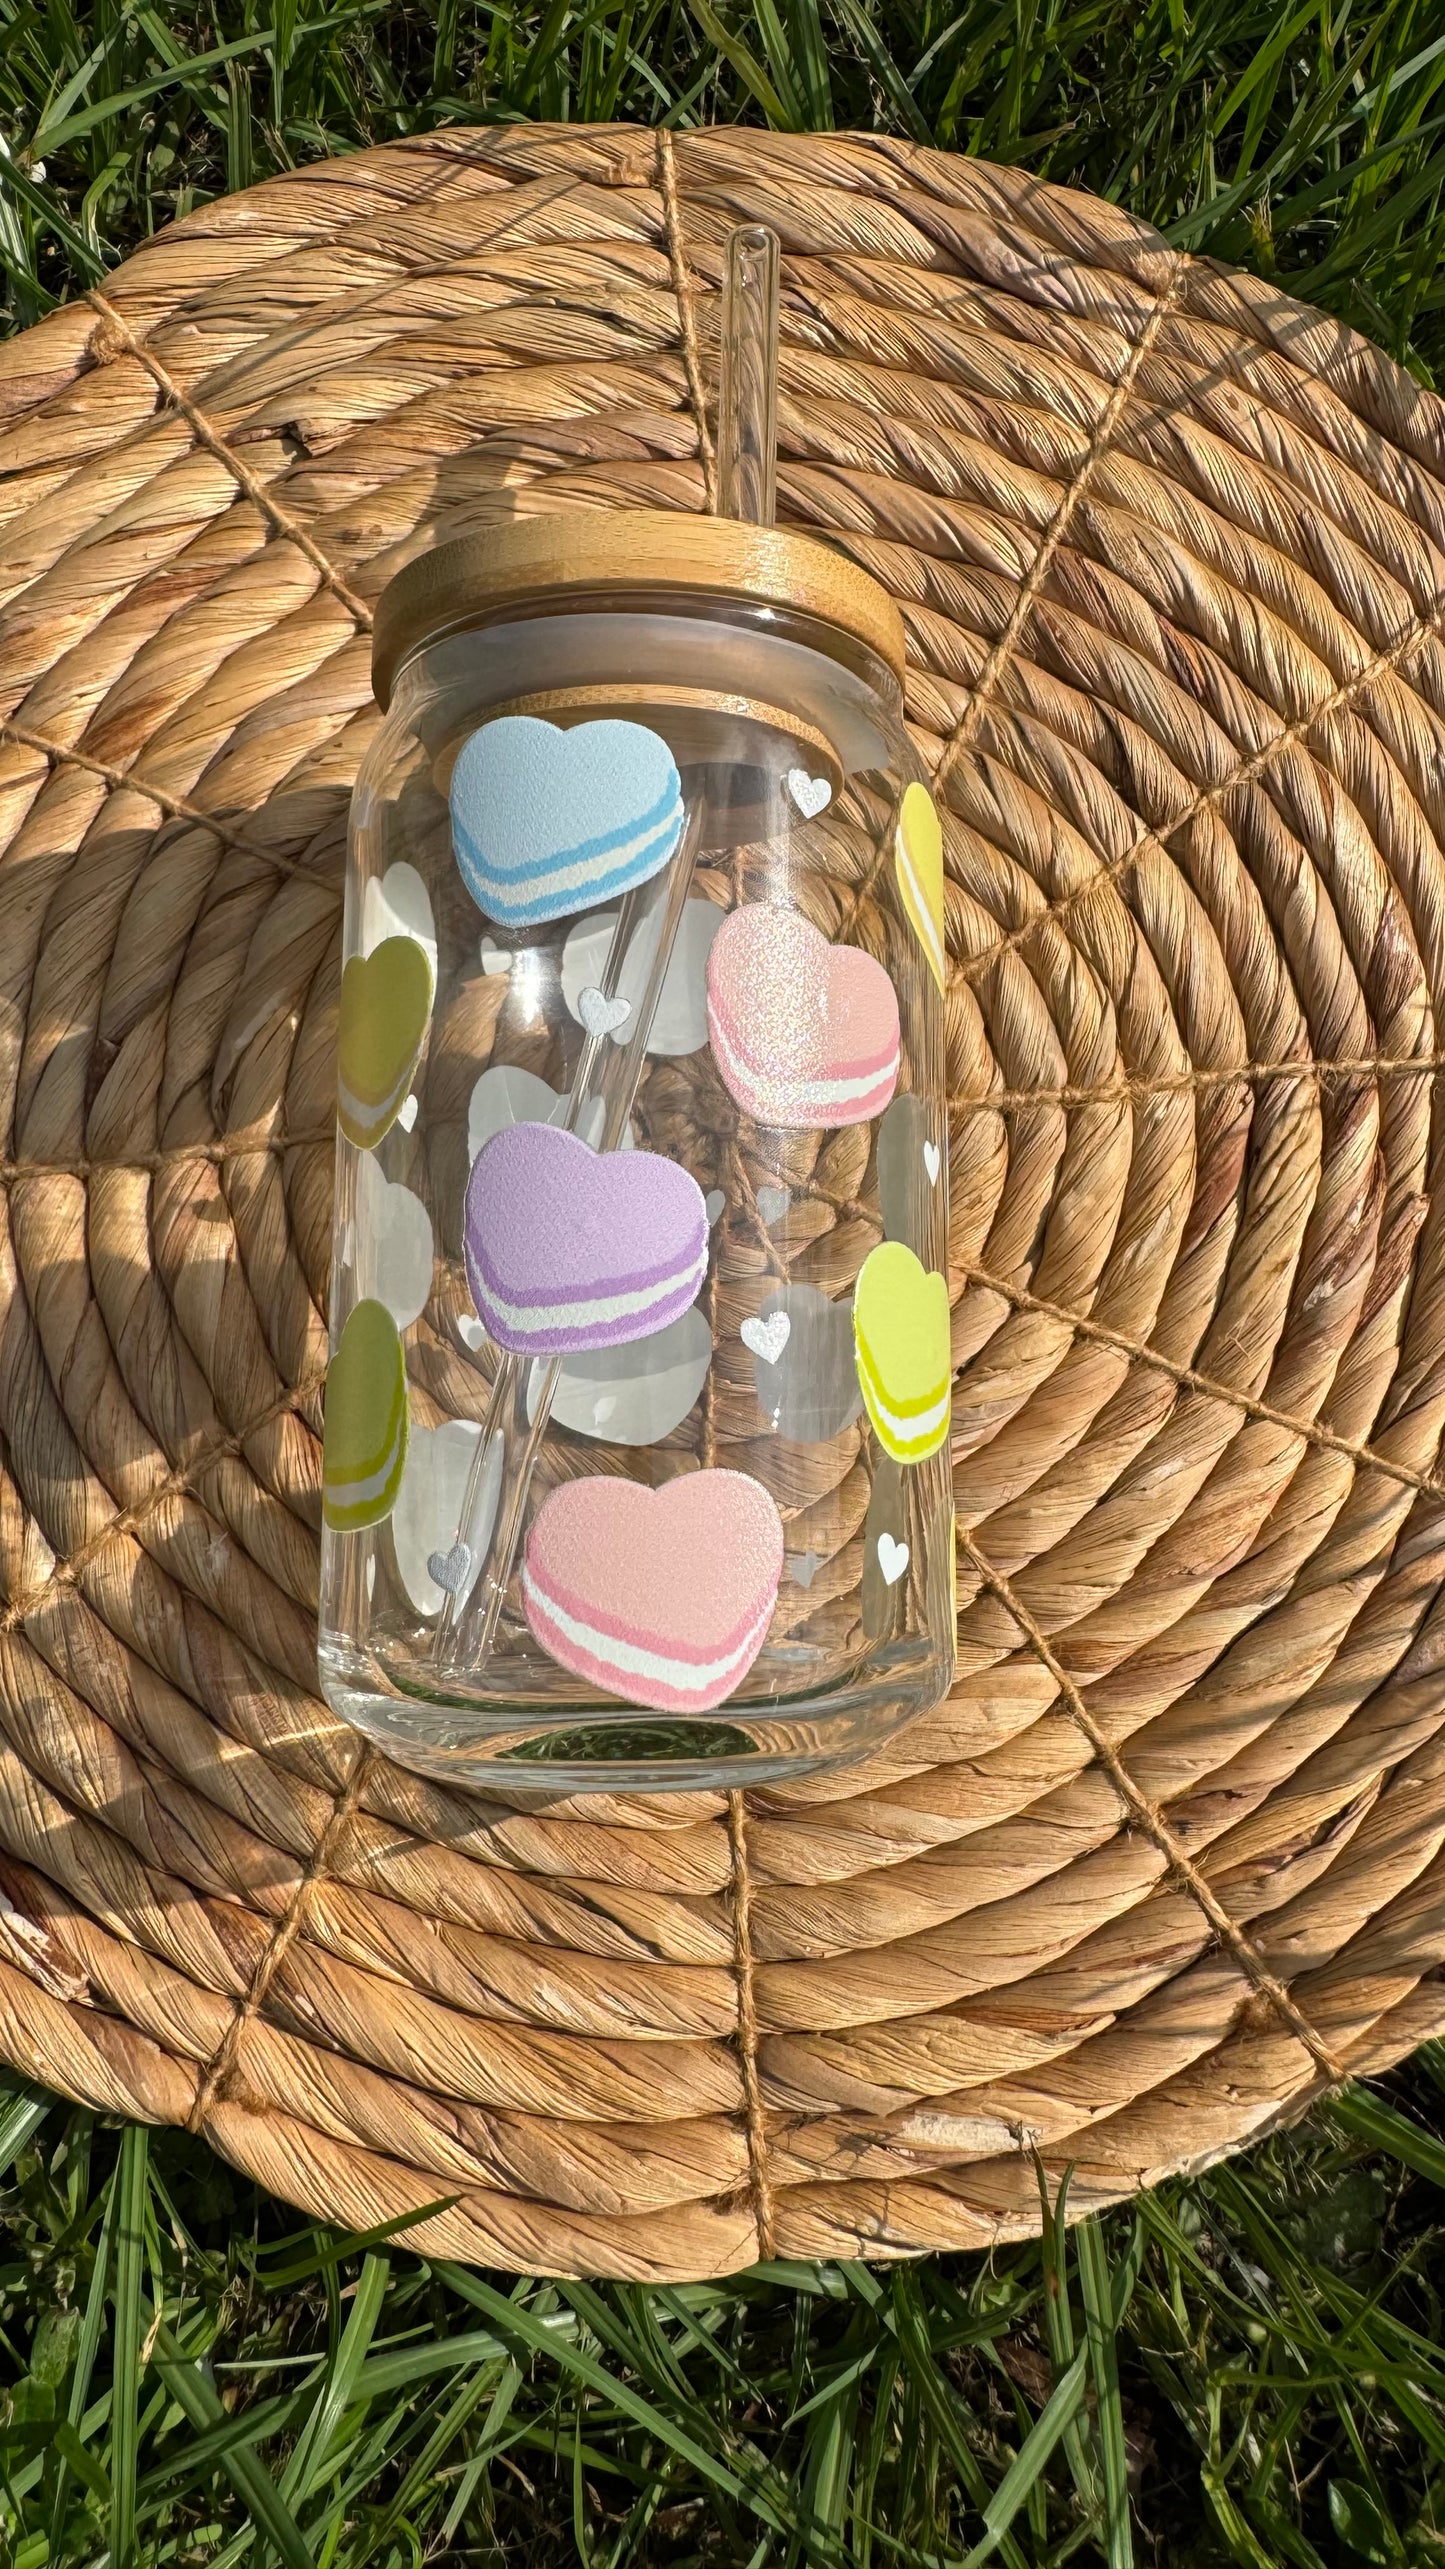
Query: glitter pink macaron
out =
(803, 1032)
(663, 1597)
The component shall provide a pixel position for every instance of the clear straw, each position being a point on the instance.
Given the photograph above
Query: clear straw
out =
(494, 1508)
(747, 419)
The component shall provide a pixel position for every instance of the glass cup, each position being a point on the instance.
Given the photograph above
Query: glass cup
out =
(636, 1467)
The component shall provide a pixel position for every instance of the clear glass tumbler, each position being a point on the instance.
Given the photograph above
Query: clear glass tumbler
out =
(636, 1465)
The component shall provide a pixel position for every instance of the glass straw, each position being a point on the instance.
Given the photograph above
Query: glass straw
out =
(494, 1507)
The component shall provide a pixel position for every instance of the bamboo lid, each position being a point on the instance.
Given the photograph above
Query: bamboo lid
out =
(654, 554)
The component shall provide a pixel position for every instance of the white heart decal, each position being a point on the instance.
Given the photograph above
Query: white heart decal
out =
(892, 1559)
(406, 1115)
(812, 794)
(449, 1569)
(600, 1015)
(470, 1331)
(767, 1338)
(713, 1203)
(495, 958)
(393, 1243)
(772, 1203)
(805, 1567)
(932, 1161)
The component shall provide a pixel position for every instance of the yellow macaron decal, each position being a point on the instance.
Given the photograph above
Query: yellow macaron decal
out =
(386, 999)
(918, 863)
(366, 1420)
(900, 1336)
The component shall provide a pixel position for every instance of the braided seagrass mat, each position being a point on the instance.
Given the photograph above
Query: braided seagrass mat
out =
(1171, 552)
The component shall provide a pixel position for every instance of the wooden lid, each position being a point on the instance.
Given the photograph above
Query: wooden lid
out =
(587, 556)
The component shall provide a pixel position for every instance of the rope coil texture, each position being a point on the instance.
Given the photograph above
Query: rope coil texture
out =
(1171, 551)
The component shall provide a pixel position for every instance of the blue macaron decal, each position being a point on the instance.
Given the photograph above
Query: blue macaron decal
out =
(545, 822)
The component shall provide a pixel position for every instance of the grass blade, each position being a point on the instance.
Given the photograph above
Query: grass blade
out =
(1096, 2290)
(132, 2200)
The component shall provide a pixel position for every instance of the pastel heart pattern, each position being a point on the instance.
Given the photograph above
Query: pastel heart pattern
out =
(803, 1032)
(545, 820)
(918, 864)
(631, 1395)
(809, 1392)
(663, 1597)
(394, 1247)
(568, 1248)
(678, 1023)
(812, 794)
(893, 1559)
(448, 1570)
(398, 904)
(507, 1094)
(901, 1333)
(364, 1450)
(601, 1015)
(429, 1510)
(386, 999)
(902, 1162)
(767, 1338)
(932, 1161)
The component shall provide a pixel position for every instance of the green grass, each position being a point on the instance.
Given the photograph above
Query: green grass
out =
(1247, 2368)
(1307, 141)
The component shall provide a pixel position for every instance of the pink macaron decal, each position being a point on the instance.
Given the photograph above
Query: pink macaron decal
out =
(663, 1597)
(803, 1032)
(568, 1248)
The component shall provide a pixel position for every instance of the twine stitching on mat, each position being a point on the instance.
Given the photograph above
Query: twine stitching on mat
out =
(759, 2179)
(283, 1936)
(1152, 1821)
(1341, 698)
(1002, 1101)
(1364, 1456)
(175, 1484)
(993, 669)
(1184, 1083)
(151, 1163)
(1094, 453)
(278, 519)
(686, 294)
(176, 808)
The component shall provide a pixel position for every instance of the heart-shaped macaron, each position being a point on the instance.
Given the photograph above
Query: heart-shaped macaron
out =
(364, 1451)
(803, 1032)
(544, 821)
(569, 1248)
(900, 1330)
(663, 1597)
(386, 999)
(918, 864)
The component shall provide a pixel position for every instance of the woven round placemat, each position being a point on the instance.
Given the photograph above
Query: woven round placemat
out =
(1171, 552)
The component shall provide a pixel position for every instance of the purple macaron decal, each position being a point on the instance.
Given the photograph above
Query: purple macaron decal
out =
(569, 1248)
